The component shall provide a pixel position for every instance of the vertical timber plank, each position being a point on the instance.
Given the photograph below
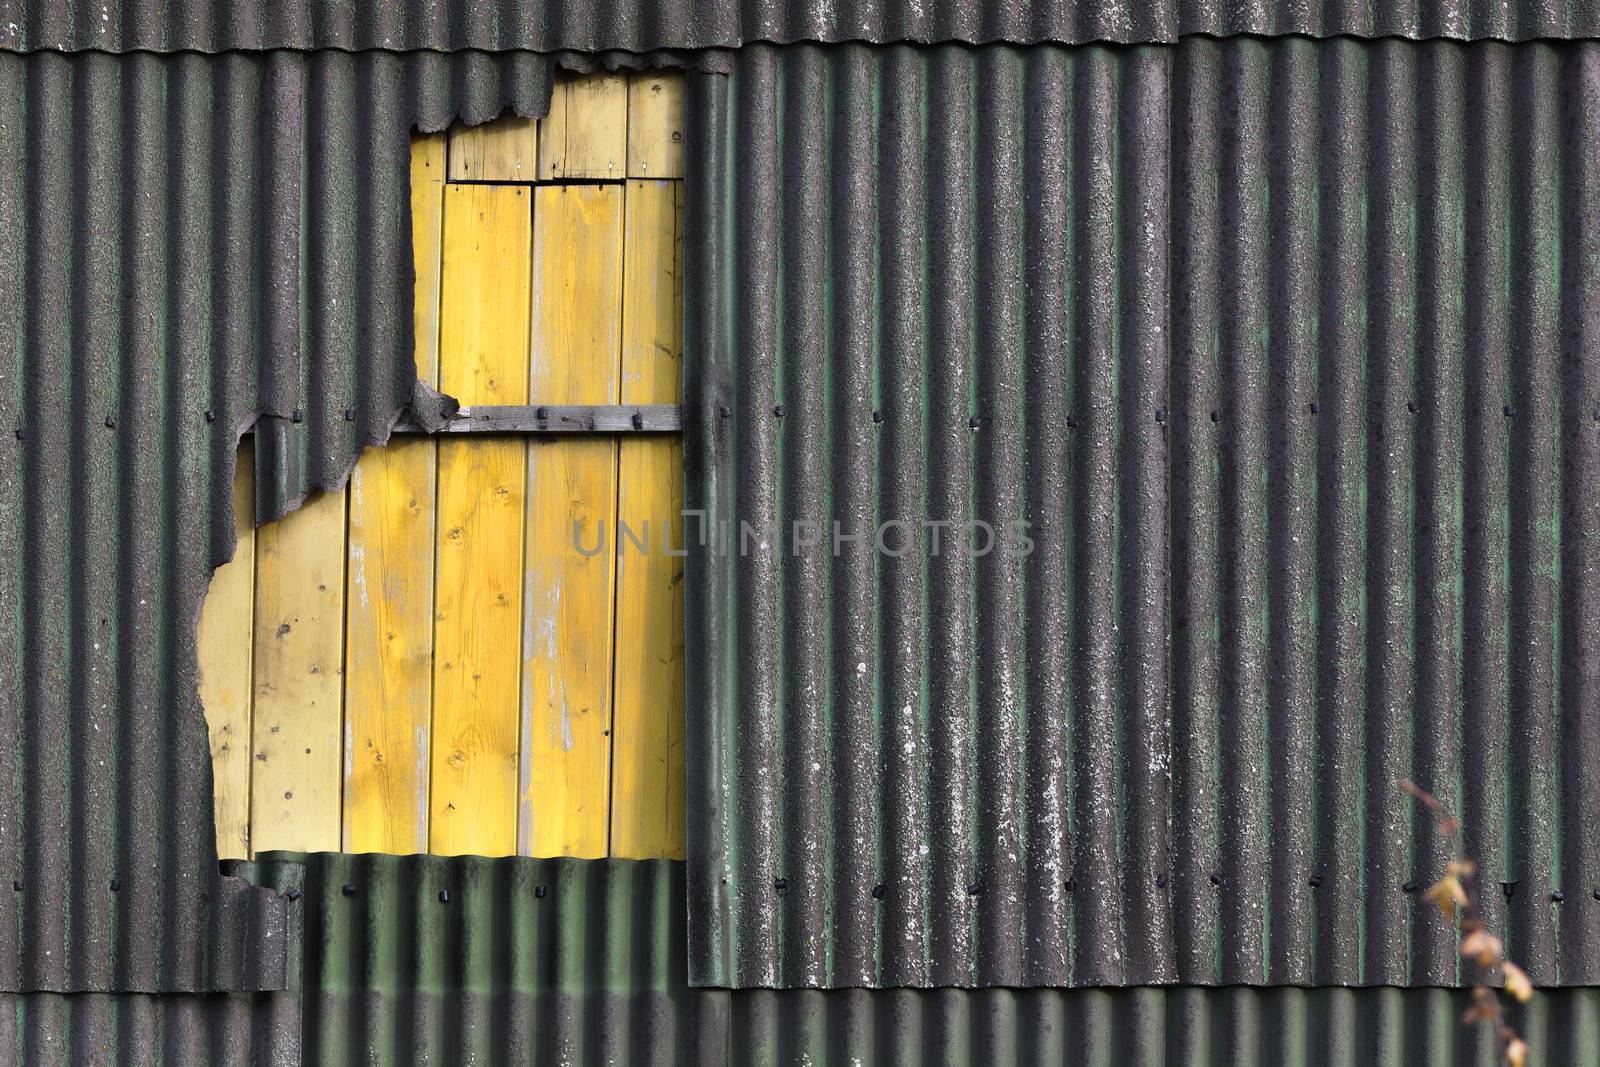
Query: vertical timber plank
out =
(647, 813)
(655, 125)
(505, 150)
(389, 632)
(226, 622)
(299, 651)
(586, 133)
(572, 499)
(483, 359)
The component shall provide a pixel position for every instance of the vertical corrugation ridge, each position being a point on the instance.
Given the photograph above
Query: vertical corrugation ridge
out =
(1348, 546)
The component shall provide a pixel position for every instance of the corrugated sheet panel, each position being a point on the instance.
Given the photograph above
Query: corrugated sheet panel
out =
(635, 26)
(592, 972)
(186, 242)
(1287, 352)
(150, 1029)
(432, 959)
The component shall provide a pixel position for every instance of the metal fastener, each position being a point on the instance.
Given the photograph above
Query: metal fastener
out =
(348, 890)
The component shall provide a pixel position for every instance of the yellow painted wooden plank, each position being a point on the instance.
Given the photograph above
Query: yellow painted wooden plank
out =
(427, 233)
(647, 757)
(226, 622)
(655, 124)
(577, 278)
(389, 601)
(505, 150)
(483, 355)
(586, 133)
(389, 649)
(299, 649)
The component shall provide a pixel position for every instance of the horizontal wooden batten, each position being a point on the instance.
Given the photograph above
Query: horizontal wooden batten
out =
(558, 418)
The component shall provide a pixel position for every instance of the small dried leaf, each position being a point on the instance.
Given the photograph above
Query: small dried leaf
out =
(1517, 983)
(1448, 894)
(1483, 947)
(1517, 1052)
(1462, 868)
(1448, 827)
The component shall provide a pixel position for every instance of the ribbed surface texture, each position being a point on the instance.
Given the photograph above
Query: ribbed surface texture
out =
(1289, 354)
(435, 960)
(648, 25)
(429, 959)
(151, 1030)
(186, 243)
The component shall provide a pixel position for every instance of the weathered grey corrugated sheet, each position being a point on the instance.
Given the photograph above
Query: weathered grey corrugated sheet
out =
(649, 25)
(1290, 354)
(186, 243)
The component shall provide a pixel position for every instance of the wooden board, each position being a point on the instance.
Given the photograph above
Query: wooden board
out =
(647, 757)
(505, 150)
(427, 237)
(299, 647)
(655, 124)
(586, 133)
(572, 495)
(225, 648)
(389, 601)
(483, 356)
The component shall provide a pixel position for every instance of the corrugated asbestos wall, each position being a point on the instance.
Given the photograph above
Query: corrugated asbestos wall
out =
(1285, 347)
(647, 25)
(1288, 351)
(525, 961)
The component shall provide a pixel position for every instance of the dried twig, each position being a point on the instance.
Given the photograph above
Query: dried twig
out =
(1457, 894)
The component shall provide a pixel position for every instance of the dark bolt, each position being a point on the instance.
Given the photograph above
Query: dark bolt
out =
(16, 887)
(211, 416)
(1072, 423)
(1411, 406)
(348, 890)
(975, 889)
(1161, 881)
(1071, 885)
(539, 891)
(972, 423)
(1506, 411)
(296, 415)
(1216, 877)
(1557, 897)
(116, 884)
(19, 433)
(1313, 407)
(1315, 881)
(293, 895)
(777, 409)
(1409, 887)
(638, 421)
(1596, 893)
(540, 414)
(1508, 888)
(877, 416)
(877, 892)
(349, 414)
(444, 896)
(1161, 414)
(724, 412)
(781, 885)
(111, 422)
(1213, 416)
